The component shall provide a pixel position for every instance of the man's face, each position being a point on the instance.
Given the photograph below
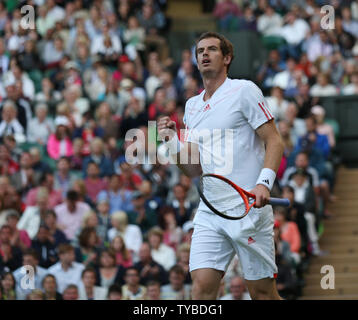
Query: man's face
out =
(176, 280)
(144, 252)
(210, 58)
(132, 277)
(115, 296)
(5, 235)
(63, 166)
(67, 257)
(26, 161)
(89, 279)
(50, 284)
(237, 288)
(301, 161)
(29, 260)
(153, 292)
(70, 294)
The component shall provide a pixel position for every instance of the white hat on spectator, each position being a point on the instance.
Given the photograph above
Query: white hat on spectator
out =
(187, 226)
(318, 110)
(71, 65)
(61, 121)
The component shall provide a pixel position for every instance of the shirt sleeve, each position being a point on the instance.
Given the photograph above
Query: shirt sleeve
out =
(254, 106)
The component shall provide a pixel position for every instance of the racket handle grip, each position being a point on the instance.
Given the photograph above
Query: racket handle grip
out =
(279, 202)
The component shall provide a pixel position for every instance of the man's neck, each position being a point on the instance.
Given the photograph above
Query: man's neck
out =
(66, 266)
(212, 83)
(133, 288)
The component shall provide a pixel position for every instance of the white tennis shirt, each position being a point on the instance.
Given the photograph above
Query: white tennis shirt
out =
(224, 128)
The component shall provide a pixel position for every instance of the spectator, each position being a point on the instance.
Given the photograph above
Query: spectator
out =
(237, 290)
(322, 127)
(142, 216)
(88, 289)
(40, 127)
(59, 143)
(87, 251)
(161, 253)
(119, 198)
(278, 104)
(56, 236)
(273, 66)
(46, 181)
(7, 165)
(63, 177)
(183, 208)
(80, 187)
(26, 178)
(227, 13)
(183, 254)
(122, 254)
(70, 214)
(9, 124)
(132, 290)
(131, 233)
(97, 155)
(148, 269)
(45, 249)
(153, 290)
(106, 121)
(270, 22)
(104, 220)
(323, 87)
(70, 292)
(49, 285)
(114, 292)
(38, 163)
(29, 259)
(176, 289)
(7, 285)
(297, 126)
(35, 294)
(47, 95)
(289, 232)
(108, 273)
(33, 215)
(94, 183)
(172, 233)
(66, 271)
(294, 32)
(19, 238)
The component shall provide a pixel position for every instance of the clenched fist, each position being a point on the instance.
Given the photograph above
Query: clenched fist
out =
(166, 128)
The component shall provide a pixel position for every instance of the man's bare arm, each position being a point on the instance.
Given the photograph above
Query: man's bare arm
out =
(188, 160)
(274, 151)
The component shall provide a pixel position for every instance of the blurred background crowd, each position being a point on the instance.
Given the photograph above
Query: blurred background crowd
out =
(94, 226)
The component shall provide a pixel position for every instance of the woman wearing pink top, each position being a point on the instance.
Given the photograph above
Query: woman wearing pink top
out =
(59, 143)
(123, 255)
(19, 238)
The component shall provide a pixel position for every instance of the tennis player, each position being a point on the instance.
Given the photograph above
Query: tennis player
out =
(257, 150)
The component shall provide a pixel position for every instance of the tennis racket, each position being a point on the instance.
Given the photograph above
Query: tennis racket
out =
(228, 200)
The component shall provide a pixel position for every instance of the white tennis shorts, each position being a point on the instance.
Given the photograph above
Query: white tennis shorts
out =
(216, 240)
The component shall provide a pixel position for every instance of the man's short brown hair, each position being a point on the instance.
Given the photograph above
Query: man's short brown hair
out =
(65, 247)
(226, 46)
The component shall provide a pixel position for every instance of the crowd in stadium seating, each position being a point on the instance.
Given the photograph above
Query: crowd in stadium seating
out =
(94, 226)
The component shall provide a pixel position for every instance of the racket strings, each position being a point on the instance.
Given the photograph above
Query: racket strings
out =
(222, 196)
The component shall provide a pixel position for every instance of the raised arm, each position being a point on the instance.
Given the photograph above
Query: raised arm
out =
(185, 155)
